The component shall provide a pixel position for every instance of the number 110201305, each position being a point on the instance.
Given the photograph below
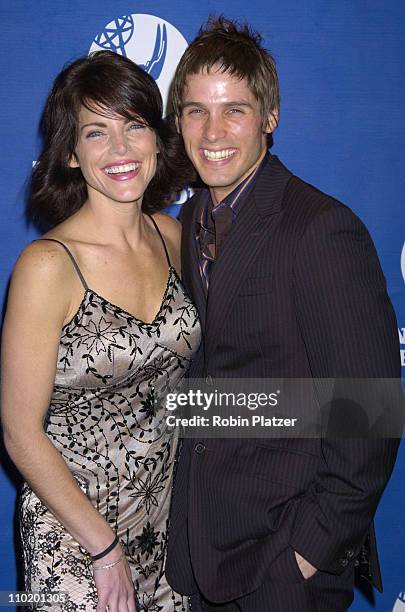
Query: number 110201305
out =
(25, 598)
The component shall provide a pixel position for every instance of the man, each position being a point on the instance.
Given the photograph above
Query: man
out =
(287, 284)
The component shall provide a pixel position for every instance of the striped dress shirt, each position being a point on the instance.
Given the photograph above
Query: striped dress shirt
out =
(215, 222)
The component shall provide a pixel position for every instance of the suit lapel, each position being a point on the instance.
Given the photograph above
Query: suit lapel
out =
(190, 259)
(255, 221)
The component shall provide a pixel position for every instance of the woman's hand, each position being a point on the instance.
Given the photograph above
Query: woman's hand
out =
(115, 589)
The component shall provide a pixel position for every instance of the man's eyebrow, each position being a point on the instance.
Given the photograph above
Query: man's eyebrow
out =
(238, 103)
(191, 103)
(231, 103)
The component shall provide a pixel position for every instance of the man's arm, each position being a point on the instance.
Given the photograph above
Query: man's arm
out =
(349, 329)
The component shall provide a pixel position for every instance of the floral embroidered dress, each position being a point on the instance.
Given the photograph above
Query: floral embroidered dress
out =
(105, 420)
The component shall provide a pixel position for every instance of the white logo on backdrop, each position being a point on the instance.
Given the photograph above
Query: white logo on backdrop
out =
(150, 41)
(403, 262)
(399, 605)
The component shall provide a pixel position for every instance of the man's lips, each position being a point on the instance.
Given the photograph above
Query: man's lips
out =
(219, 156)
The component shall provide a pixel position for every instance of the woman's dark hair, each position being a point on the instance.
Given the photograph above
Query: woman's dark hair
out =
(114, 83)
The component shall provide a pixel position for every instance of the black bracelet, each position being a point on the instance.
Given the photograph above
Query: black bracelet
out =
(106, 551)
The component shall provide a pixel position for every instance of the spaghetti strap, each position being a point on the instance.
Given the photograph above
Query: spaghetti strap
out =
(79, 272)
(161, 238)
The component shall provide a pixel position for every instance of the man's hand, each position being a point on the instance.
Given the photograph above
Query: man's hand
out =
(306, 569)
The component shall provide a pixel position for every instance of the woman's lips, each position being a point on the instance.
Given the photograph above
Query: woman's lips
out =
(122, 171)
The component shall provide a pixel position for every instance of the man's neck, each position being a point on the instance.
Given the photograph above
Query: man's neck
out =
(219, 195)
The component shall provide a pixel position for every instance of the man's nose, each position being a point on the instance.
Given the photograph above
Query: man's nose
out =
(214, 128)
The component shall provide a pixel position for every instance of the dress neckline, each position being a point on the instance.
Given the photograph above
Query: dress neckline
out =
(172, 273)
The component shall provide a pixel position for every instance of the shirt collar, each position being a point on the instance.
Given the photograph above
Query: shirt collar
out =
(237, 196)
(233, 199)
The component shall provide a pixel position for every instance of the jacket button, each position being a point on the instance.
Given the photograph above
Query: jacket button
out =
(199, 448)
(343, 562)
(350, 554)
(209, 380)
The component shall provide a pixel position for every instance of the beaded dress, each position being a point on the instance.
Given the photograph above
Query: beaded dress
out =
(106, 421)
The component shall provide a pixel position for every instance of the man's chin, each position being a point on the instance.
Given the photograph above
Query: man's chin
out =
(212, 180)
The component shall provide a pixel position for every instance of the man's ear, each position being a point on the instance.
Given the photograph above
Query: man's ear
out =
(73, 162)
(272, 122)
(177, 122)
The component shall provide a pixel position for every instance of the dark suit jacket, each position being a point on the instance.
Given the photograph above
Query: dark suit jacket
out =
(297, 292)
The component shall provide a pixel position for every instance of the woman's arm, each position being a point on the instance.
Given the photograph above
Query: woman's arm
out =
(40, 301)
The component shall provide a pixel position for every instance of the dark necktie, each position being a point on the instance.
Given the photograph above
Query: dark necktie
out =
(222, 217)
(215, 232)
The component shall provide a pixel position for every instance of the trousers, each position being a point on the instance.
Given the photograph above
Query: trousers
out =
(321, 593)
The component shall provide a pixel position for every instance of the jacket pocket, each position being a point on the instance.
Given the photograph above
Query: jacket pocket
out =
(289, 468)
(255, 286)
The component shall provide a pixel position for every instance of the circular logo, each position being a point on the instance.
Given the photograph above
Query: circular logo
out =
(149, 41)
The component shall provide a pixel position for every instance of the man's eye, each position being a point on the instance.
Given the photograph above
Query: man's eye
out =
(195, 111)
(235, 110)
(136, 126)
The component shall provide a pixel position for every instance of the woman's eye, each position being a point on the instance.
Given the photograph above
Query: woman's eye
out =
(94, 134)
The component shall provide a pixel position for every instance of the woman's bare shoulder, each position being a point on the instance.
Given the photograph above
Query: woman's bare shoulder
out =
(43, 275)
(169, 226)
(42, 258)
(171, 232)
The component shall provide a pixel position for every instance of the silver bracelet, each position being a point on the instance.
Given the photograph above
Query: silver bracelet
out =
(108, 565)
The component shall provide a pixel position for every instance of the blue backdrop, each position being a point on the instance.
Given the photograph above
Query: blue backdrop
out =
(342, 127)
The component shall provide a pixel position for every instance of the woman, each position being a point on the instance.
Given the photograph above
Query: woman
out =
(89, 344)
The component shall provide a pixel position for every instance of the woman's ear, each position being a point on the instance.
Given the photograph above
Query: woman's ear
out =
(73, 161)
